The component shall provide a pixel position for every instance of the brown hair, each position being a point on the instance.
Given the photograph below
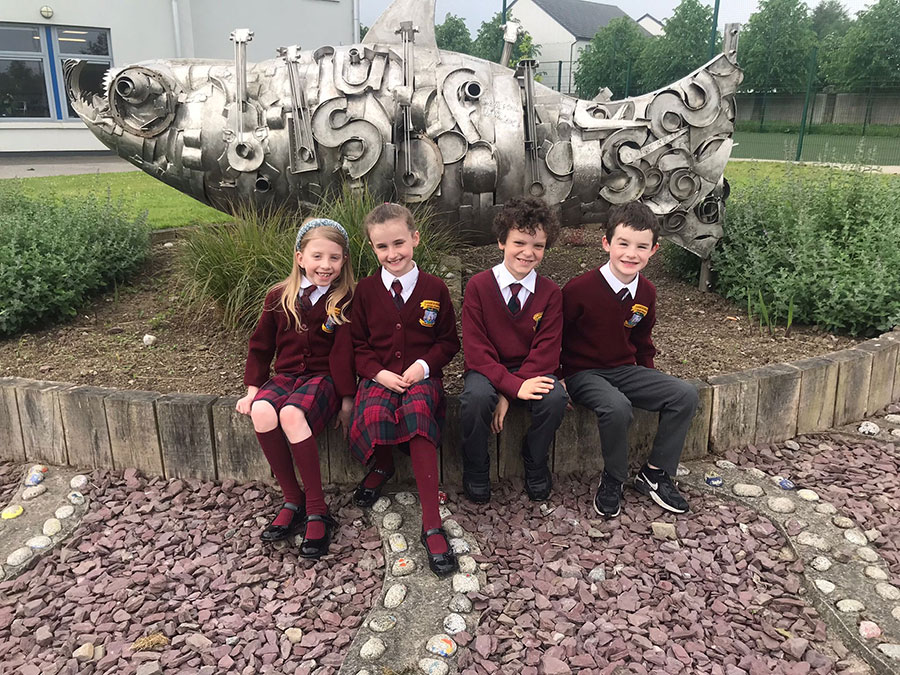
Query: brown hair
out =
(528, 215)
(388, 211)
(635, 215)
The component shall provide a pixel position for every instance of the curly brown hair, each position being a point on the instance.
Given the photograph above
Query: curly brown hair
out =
(527, 215)
(635, 215)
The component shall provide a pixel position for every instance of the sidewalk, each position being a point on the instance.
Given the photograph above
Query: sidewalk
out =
(20, 165)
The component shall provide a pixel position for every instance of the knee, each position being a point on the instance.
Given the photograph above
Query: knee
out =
(687, 397)
(555, 401)
(292, 418)
(264, 416)
(617, 410)
(474, 399)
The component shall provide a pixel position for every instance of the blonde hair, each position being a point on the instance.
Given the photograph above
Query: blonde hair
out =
(389, 211)
(340, 289)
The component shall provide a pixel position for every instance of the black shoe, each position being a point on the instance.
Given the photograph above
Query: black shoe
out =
(608, 500)
(366, 496)
(478, 492)
(657, 485)
(538, 484)
(279, 532)
(442, 564)
(316, 548)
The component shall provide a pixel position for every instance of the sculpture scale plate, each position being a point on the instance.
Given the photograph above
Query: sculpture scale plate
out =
(417, 124)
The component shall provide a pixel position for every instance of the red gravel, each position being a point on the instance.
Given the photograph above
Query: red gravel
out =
(153, 555)
(720, 600)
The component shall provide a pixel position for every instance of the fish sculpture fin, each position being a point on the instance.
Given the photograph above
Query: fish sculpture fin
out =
(419, 12)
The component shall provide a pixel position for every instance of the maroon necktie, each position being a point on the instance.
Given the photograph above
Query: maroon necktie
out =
(624, 295)
(306, 300)
(513, 303)
(397, 287)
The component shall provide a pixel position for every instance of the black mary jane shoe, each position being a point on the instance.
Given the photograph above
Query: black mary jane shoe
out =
(442, 564)
(316, 548)
(366, 496)
(278, 532)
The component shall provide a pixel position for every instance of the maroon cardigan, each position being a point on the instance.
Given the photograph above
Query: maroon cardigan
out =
(495, 340)
(313, 351)
(596, 330)
(386, 338)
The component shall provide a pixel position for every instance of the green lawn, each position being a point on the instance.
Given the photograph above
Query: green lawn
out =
(166, 207)
(880, 150)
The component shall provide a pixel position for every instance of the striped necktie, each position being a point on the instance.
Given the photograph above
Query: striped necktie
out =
(624, 295)
(397, 288)
(306, 300)
(513, 303)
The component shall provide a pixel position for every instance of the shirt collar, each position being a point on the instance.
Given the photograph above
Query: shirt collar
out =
(408, 280)
(617, 285)
(316, 294)
(505, 278)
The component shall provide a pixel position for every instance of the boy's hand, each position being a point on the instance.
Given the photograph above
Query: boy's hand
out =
(415, 373)
(569, 405)
(392, 381)
(246, 402)
(534, 388)
(499, 413)
(343, 416)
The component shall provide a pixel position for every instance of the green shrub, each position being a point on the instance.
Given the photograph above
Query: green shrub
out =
(821, 246)
(54, 256)
(235, 266)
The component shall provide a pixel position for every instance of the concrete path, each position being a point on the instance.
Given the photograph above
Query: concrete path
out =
(63, 164)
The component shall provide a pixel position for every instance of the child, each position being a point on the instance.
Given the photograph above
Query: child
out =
(607, 362)
(512, 335)
(304, 324)
(404, 333)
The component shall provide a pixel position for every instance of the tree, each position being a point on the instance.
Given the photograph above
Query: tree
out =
(868, 56)
(683, 48)
(830, 18)
(453, 35)
(604, 62)
(488, 44)
(775, 47)
(363, 29)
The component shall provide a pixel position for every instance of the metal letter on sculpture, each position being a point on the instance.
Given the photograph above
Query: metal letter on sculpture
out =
(415, 123)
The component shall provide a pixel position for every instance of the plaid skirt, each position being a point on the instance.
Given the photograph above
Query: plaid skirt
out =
(384, 417)
(313, 394)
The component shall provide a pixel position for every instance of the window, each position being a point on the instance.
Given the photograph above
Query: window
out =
(31, 74)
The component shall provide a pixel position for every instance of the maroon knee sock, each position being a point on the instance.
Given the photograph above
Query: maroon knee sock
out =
(275, 448)
(384, 460)
(425, 468)
(306, 456)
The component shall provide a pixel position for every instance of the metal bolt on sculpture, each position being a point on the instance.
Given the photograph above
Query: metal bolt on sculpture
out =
(415, 124)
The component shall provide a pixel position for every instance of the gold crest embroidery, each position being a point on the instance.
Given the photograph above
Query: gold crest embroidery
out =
(537, 320)
(638, 312)
(429, 317)
(330, 323)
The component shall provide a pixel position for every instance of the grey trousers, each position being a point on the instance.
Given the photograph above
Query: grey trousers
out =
(610, 393)
(477, 404)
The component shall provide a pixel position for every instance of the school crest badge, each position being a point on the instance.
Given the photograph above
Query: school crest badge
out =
(330, 323)
(638, 312)
(429, 317)
(537, 320)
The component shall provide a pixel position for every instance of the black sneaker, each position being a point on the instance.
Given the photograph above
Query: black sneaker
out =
(656, 484)
(607, 501)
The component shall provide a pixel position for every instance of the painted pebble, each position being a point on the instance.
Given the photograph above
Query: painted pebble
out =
(405, 498)
(825, 586)
(39, 542)
(756, 473)
(397, 542)
(459, 545)
(402, 567)
(442, 497)
(38, 468)
(12, 511)
(444, 512)
(792, 445)
(78, 482)
(75, 498)
(392, 521)
(372, 649)
(433, 667)
(713, 480)
(747, 490)
(782, 505)
(382, 505)
(869, 630)
(19, 557)
(843, 522)
(442, 645)
(460, 603)
(887, 591)
(869, 429)
(893, 419)
(867, 554)
(394, 596)
(725, 464)
(807, 495)
(467, 564)
(33, 491)
(786, 484)
(876, 573)
(821, 563)
(465, 583)
(856, 537)
(849, 606)
(64, 511)
(895, 432)
(33, 479)
(454, 623)
(382, 624)
(826, 509)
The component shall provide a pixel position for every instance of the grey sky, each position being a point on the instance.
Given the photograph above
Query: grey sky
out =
(476, 11)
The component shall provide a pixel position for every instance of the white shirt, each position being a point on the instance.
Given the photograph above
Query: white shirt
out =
(617, 285)
(408, 281)
(316, 294)
(505, 279)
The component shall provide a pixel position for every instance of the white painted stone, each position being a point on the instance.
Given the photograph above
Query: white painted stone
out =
(467, 564)
(394, 596)
(826, 509)
(849, 606)
(460, 603)
(892, 418)
(855, 537)
(397, 542)
(726, 464)
(64, 511)
(465, 583)
(820, 563)
(782, 504)
(372, 649)
(808, 495)
(876, 573)
(33, 478)
(51, 527)
(895, 432)
(792, 445)
(382, 505)
(33, 491)
(19, 557)
(747, 490)
(757, 473)
(433, 667)
(459, 545)
(867, 554)
(75, 498)
(403, 566)
(887, 591)
(890, 650)
(444, 512)
(392, 521)
(868, 428)
(825, 586)
(453, 528)
(149, 340)
(815, 541)
(39, 543)
(441, 645)
(869, 630)
(405, 498)
(682, 470)
(383, 623)
(294, 635)
(843, 522)
(454, 623)
(78, 482)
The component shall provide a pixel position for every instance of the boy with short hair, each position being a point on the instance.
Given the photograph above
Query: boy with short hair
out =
(607, 362)
(512, 336)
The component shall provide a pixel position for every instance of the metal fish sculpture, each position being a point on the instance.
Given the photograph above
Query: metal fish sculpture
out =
(415, 123)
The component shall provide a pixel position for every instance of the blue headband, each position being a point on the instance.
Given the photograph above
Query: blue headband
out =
(321, 222)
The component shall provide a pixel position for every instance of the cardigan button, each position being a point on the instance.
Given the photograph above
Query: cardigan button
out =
(302, 365)
(398, 326)
(397, 354)
(302, 326)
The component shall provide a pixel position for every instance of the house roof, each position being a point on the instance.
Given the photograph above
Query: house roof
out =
(652, 18)
(580, 17)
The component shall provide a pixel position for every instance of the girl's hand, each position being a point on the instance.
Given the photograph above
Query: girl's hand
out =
(392, 381)
(415, 373)
(343, 417)
(244, 404)
(499, 413)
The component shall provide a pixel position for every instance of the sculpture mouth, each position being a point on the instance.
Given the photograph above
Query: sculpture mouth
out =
(86, 88)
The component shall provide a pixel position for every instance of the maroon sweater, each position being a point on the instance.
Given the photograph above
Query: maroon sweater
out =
(313, 351)
(386, 338)
(599, 331)
(495, 340)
